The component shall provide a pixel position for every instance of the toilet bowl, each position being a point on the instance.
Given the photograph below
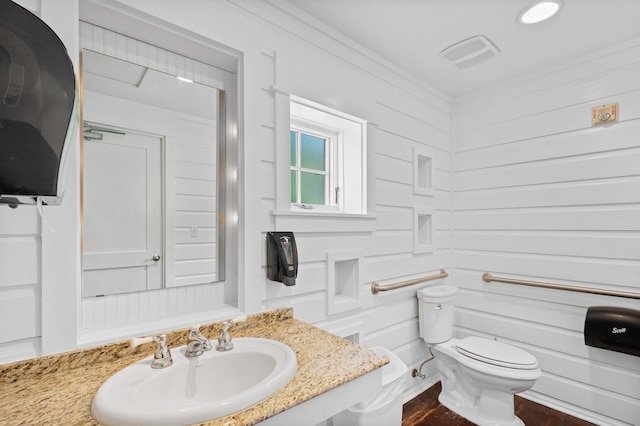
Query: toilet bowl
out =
(479, 376)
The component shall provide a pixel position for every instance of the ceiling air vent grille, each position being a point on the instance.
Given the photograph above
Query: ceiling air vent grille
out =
(470, 52)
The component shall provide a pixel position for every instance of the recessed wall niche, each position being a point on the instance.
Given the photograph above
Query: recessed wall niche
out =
(422, 171)
(344, 285)
(422, 230)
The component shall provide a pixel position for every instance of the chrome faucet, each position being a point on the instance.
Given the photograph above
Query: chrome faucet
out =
(224, 341)
(197, 344)
(162, 357)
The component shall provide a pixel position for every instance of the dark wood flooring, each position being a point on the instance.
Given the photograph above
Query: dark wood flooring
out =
(425, 409)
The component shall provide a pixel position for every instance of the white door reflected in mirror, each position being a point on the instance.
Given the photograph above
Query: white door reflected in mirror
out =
(122, 213)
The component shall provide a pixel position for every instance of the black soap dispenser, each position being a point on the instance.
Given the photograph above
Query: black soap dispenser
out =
(282, 257)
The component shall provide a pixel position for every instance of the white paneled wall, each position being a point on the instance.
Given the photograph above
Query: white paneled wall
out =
(195, 207)
(403, 117)
(522, 186)
(20, 282)
(542, 195)
(21, 245)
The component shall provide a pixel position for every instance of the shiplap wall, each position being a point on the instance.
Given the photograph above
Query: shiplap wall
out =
(529, 201)
(397, 107)
(20, 276)
(542, 195)
(195, 206)
(41, 257)
(402, 117)
(20, 282)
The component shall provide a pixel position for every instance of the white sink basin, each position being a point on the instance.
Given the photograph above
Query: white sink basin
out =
(194, 390)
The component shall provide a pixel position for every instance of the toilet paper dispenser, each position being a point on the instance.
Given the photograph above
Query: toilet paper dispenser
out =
(38, 108)
(613, 328)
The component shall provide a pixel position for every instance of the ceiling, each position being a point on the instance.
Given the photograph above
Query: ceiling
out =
(412, 33)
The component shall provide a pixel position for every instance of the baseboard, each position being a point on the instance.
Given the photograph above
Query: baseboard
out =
(571, 409)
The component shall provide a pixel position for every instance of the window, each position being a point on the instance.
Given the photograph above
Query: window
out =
(327, 159)
(314, 168)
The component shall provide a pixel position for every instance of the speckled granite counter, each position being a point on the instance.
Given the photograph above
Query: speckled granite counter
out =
(57, 390)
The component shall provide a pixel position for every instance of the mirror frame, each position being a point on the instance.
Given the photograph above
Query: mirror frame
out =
(141, 26)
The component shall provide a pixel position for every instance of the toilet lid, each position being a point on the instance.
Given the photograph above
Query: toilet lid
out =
(496, 353)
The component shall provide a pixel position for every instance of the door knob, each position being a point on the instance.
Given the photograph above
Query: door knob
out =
(154, 258)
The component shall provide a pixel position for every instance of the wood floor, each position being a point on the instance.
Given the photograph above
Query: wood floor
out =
(425, 409)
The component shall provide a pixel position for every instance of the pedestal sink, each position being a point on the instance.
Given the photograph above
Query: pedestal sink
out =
(195, 390)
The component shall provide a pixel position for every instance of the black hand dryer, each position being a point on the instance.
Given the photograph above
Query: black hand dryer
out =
(282, 257)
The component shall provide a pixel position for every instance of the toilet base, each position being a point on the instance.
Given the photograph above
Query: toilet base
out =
(498, 409)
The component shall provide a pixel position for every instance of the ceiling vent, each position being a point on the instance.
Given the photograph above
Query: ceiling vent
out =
(470, 52)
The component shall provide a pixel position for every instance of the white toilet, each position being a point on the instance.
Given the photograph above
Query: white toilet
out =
(479, 376)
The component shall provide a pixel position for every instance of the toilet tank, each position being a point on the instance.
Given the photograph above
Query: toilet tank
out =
(435, 310)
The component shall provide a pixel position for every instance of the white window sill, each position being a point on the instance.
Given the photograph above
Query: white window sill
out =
(318, 221)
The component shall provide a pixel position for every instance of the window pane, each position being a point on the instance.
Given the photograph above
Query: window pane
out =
(294, 187)
(312, 152)
(292, 141)
(312, 188)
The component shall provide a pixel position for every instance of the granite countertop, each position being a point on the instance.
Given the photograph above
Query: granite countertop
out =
(59, 389)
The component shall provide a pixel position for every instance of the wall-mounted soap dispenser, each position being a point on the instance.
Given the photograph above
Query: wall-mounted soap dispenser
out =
(282, 257)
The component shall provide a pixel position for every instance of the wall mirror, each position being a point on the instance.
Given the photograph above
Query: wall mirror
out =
(154, 146)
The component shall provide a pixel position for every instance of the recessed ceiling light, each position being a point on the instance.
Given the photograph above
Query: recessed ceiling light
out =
(539, 12)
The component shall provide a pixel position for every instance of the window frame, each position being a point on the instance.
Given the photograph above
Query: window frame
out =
(333, 164)
(352, 138)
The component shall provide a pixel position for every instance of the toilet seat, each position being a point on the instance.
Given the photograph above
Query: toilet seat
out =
(496, 353)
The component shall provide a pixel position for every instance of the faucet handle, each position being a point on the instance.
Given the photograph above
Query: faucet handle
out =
(241, 318)
(194, 331)
(137, 341)
(228, 323)
(162, 357)
(224, 342)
